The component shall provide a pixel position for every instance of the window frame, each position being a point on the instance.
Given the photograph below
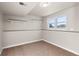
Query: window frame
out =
(55, 18)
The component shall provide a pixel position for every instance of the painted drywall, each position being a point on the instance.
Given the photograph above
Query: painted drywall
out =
(66, 39)
(1, 32)
(72, 19)
(18, 32)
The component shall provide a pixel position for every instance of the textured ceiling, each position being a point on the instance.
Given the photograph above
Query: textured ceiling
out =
(13, 8)
(32, 8)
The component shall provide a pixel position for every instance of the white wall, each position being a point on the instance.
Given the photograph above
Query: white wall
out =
(66, 39)
(18, 32)
(22, 32)
(72, 18)
(1, 32)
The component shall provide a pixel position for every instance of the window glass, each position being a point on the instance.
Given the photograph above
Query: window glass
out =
(58, 22)
(51, 23)
(61, 22)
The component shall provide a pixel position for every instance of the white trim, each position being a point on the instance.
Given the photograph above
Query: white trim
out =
(41, 40)
(21, 44)
(61, 47)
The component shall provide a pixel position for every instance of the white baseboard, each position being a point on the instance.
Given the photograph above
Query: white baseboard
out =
(21, 44)
(61, 47)
(41, 40)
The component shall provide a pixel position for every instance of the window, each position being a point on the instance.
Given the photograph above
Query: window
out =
(58, 22)
(61, 22)
(51, 23)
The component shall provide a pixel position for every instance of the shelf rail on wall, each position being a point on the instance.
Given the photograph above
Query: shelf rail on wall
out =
(17, 20)
(61, 31)
(23, 20)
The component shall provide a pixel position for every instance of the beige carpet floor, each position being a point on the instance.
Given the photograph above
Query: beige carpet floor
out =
(40, 48)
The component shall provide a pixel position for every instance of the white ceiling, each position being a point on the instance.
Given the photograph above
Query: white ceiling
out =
(50, 9)
(32, 8)
(13, 8)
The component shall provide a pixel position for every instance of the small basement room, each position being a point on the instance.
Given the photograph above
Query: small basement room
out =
(39, 28)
